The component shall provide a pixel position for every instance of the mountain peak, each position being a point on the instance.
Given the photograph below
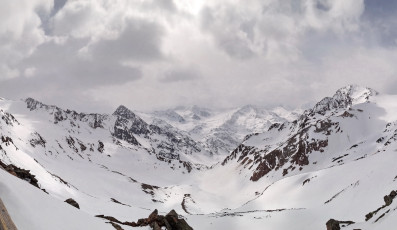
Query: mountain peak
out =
(344, 97)
(124, 112)
(33, 104)
(355, 94)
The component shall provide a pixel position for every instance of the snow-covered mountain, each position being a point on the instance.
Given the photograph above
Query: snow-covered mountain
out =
(220, 131)
(333, 161)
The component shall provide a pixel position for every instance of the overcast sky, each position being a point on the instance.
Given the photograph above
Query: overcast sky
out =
(153, 54)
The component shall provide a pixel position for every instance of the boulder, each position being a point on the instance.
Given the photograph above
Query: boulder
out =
(153, 216)
(175, 222)
(332, 225)
(73, 203)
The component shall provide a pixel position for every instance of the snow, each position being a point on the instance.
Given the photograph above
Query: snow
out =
(31, 208)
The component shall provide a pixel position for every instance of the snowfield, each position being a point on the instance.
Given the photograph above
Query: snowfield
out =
(285, 171)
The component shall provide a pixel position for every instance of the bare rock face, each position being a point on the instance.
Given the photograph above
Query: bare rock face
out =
(153, 216)
(73, 203)
(389, 198)
(171, 221)
(176, 223)
(20, 173)
(332, 225)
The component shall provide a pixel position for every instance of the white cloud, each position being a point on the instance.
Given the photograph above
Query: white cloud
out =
(20, 32)
(211, 53)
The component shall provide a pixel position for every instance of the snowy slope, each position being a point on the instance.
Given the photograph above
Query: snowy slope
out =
(336, 160)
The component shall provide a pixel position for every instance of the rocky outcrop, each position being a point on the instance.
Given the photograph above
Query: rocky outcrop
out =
(171, 221)
(94, 120)
(388, 200)
(127, 119)
(8, 118)
(20, 173)
(37, 140)
(175, 222)
(73, 203)
(333, 224)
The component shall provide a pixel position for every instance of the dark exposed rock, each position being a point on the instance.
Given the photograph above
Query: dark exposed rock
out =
(306, 181)
(20, 173)
(122, 132)
(98, 120)
(70, 140)
(332, 225)
(37, 140)
(176, 223)
(274, 126)
(152, 217)
(59, 115)
(346, 114)
(7, 140)
(155, 226)
(101, 146)
(186, 197)
(171, 221)
(8, 118)
(388, 200)
(149, 189)
(73, 203)
(118, 202)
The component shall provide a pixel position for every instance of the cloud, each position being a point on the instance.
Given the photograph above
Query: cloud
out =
(271, 27)
(211, 53)
(139, 40)
(175, 76)
(20, 32)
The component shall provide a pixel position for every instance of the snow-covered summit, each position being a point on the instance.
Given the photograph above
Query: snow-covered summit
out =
(344, 97)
